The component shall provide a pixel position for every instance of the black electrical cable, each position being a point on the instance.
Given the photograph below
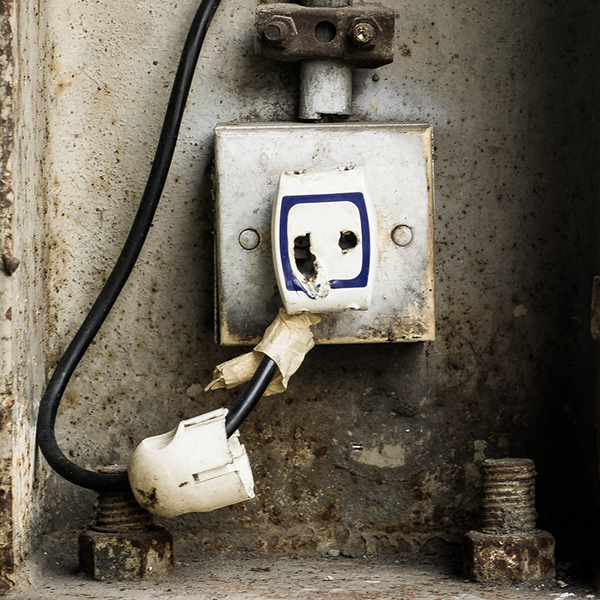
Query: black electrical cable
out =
(46, 438)
(251, 395)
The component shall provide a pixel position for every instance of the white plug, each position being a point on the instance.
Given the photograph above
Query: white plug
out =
(324, 240)
(193, 468)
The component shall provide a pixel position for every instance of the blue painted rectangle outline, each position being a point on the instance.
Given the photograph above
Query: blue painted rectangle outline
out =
(356, 198)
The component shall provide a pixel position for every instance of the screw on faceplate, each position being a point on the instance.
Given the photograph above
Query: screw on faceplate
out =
(363, 33)
(402, 235)
(508, 495)
(249, 239)
(508, 547)
(278, 30)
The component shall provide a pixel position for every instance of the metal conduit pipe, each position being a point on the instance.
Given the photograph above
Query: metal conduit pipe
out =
(325, 85)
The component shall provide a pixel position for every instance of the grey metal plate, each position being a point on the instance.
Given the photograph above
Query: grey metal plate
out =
(397, 161)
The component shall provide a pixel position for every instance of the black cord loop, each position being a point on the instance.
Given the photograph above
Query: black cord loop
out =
(46, 438)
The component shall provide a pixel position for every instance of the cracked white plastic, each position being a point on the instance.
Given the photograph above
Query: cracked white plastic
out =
(193, 468)
(324, 240)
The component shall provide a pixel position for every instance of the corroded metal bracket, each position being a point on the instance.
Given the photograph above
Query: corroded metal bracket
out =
(361, 35)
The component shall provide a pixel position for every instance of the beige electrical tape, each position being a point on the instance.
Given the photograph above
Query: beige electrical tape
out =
(286, 341)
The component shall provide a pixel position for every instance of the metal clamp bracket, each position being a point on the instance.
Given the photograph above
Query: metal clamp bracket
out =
(361, 35)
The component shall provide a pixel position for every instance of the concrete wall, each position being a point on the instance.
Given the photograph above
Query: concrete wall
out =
(510, 90)
(29, 295)
(22, 127)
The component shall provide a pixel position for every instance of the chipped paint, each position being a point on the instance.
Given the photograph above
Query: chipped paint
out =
(388, 456)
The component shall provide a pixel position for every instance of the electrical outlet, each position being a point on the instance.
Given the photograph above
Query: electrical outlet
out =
(324, 240)
(252, 175)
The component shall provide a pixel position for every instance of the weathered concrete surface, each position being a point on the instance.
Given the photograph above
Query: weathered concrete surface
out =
(372, 449)
(21, 362)
(6, 213)
(254, 576)
(28, 298)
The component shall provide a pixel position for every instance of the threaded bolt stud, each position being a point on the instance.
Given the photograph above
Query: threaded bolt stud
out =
(122, 543)
(508, 495)
(508, 547)
(119, 512)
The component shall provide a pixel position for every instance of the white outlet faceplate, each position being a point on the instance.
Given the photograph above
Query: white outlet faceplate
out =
(397, 165)
(323, 224)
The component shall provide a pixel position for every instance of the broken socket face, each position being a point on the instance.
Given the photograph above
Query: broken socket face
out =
(324, 240)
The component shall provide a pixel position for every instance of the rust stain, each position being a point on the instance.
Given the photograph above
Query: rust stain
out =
(405, 51)
(329, 512)
(300, 42)
(6, 530)
(10, 262)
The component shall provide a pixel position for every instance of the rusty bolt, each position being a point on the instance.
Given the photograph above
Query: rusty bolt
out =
(122, 543)
(363, 34)
(508, 547)
(279, 31)
(508, 498)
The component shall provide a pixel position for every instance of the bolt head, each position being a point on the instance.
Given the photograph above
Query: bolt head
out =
(508, 557)
(363, 33)
(279, 31)
(276, 32)
(128, 555)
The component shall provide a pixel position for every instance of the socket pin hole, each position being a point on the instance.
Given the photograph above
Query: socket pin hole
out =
(348, 240)
(305, 259)
(325, 32)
